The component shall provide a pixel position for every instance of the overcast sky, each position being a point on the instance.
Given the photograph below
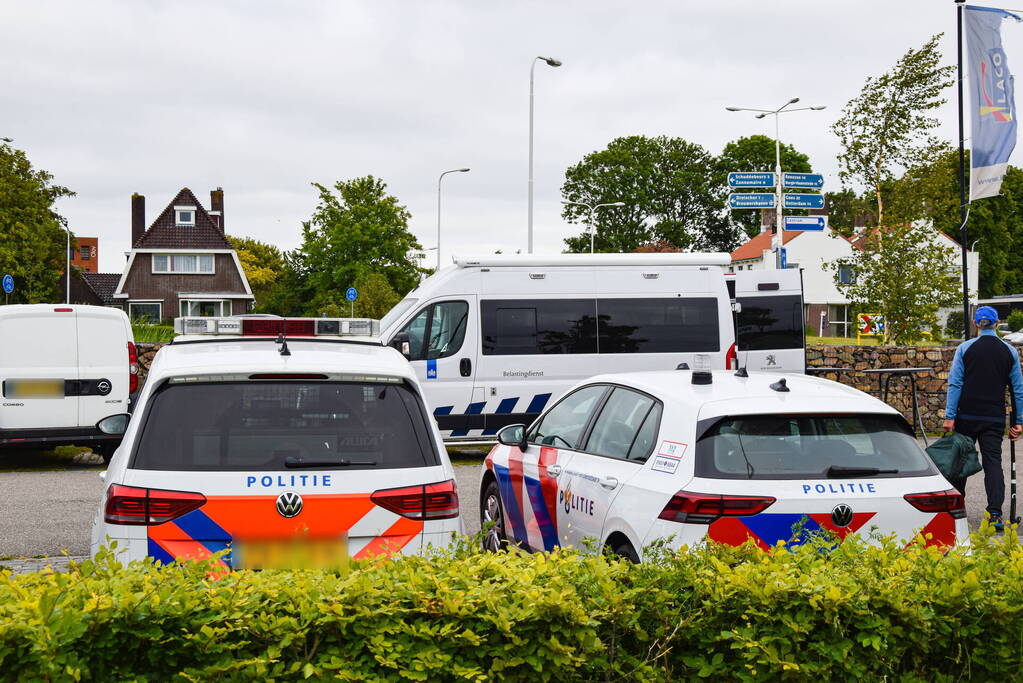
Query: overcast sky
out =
(262, 98)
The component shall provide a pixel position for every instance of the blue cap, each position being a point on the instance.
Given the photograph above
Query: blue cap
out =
(985, 313)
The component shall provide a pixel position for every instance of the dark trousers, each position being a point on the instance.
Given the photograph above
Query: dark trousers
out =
(988, 435)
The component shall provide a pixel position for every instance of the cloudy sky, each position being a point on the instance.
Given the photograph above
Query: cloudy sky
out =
(262, 98)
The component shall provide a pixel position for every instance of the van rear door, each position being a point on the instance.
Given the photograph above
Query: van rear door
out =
(102, 363)
(770, 331)
(38, 361)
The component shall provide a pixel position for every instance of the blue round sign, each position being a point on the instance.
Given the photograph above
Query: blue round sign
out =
(351, 294)
(8, 284)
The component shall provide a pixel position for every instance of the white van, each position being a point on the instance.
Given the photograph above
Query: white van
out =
(495, 339)
(63, 368)
(770, 331)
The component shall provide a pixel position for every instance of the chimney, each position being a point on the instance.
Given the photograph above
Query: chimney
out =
(217, 207)
(138, 217)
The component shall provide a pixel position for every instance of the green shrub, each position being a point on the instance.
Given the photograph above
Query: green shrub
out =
(954, 324)
(1015, 320)
(147, 332)
(855, 613)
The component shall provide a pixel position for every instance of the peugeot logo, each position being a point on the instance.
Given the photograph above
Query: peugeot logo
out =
(842, 515)
(103, 387)
(771, 360)
(289, 504)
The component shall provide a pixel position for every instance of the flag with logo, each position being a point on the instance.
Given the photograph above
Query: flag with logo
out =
(993, 134)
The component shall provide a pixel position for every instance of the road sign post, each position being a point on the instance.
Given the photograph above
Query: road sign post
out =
(805, 223)
(352, 294)
(751, 200)
(811, 181)
(751, 179)
(802, 200)
(8, 285)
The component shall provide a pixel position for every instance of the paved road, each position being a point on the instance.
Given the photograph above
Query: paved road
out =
(44, 513)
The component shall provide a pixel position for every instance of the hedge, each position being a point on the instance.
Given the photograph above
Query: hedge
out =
(855, 612)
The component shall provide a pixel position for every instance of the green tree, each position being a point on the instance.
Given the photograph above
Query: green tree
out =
(902, 272)
(755, 153)
(263, 265)
(376, 298)
(669, 191)
(888, 125)
(32, 237)
(357, 229)
(846, 211)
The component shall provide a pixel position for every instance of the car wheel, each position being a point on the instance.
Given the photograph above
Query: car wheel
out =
(623, 550)
(492, 513)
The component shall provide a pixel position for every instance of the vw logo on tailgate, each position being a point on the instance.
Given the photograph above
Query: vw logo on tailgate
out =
(289, 504)
(842, 515)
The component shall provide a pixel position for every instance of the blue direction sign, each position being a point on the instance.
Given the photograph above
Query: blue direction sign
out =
(804, 223)
(8, 284)
(751, 200)
(351, 294)
(813, 181)
(750, 180)
(802, 200)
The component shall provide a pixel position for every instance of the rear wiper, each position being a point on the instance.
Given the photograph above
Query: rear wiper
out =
(837, 471)
(292, 462)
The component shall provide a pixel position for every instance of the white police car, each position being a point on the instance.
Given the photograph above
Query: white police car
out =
(285, 442)
(686, 455)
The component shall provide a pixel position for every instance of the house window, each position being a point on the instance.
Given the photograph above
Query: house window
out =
(838, 320)
(846, 275)
(201, 264)
(184, 216)
(205, 307)
(83, 253)
(145, 311)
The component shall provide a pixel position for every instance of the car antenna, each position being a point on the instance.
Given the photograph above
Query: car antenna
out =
(780, 385)
(283, 350)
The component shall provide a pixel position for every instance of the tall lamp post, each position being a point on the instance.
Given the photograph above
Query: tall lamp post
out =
(440, 178)
(591, 208)
(67, 270)
(550, 61)
(761, 113)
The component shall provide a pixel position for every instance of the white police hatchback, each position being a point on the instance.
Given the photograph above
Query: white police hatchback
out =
(289, 443)
(686, 456)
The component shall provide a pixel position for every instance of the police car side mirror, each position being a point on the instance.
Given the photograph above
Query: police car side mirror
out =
(400, 341)
(513, 435)
(114, 425)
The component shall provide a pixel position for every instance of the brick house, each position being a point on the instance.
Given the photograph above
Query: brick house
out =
(85, 254)
(182, 264)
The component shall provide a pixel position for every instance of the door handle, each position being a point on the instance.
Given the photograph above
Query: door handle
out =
(609, 483)
(465, 367)
(554, 470)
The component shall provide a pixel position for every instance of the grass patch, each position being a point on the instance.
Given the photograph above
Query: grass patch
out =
(866, 341)
(467, 455)
(156, 334)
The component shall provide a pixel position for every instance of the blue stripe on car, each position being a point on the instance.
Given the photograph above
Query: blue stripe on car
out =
(510, 504)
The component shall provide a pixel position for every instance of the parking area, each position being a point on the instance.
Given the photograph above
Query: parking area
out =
(45, 513)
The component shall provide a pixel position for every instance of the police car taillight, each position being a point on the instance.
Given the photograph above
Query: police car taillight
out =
(704, 508)
(432, 501)
(271, 327)
(148, 507)
(950, 501)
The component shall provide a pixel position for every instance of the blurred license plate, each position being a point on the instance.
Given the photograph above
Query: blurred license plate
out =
(304, 553)
(34, 388)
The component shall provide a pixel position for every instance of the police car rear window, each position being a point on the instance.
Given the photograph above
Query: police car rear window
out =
(809, 447)
(272, 426)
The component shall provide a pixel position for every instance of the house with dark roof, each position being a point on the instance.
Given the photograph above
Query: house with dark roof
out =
(182, 264)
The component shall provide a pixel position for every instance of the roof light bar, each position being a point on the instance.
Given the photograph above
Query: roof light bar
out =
(271, 327)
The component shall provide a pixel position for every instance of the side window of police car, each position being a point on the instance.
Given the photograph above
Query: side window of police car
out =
(626, 426)
(437, 331)
(562, 426)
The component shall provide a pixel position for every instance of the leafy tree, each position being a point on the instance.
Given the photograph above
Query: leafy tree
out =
(1015, 320)
(888, 125)
(668, 188)
(755, 153)
(32, 236)
(290, 294)
(902, 272)
(263, 265)
(376, 298)
(846, 211)
(357, 229)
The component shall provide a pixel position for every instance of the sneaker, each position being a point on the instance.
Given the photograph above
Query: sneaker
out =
(995, 520)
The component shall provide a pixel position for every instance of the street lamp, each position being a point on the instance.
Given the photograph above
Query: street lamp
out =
(550, 61)
(783, 109)
(440, 178)
(591, 208)
(67, 270)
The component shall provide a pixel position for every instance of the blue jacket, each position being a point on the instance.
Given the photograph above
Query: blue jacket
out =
(981, 370)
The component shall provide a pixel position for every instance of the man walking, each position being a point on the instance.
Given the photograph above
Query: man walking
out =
(981, 370)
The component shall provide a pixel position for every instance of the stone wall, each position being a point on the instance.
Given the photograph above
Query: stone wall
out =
(931, 385)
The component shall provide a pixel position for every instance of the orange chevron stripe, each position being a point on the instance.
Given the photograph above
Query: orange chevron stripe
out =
(393, 540)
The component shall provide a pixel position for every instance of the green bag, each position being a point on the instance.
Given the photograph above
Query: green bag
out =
(955, 456)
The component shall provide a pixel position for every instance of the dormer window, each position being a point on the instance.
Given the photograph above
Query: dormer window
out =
(184, 216)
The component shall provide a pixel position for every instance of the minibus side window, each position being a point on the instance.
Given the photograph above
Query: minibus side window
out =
(437, 331)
